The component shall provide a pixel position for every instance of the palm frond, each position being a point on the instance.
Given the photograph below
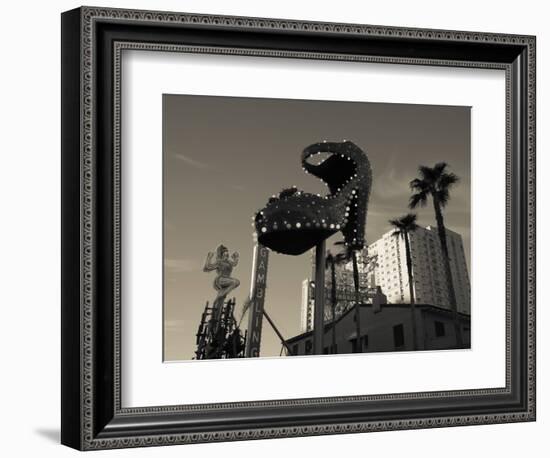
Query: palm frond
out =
(398, 234)
(396, 222)
(343, 258)
(409, 221)
(345, 254)
(418, 199)
(404, 224)
(434, 181)
(446, 180)
(427, 174)
(418, 185)
(439, 169)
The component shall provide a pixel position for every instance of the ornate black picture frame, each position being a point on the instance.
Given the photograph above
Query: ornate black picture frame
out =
(92, 41)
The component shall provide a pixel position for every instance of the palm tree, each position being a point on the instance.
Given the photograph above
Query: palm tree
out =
(346, 255)
(435, 182)
(403, 227)
(330, 261)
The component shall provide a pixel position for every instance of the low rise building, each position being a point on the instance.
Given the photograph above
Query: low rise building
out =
(387, 327)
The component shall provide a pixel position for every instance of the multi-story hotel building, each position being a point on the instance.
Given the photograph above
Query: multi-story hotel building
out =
(386, 267)
(430, 283)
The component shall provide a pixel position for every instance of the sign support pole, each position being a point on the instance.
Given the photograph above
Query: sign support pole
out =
(319, 298)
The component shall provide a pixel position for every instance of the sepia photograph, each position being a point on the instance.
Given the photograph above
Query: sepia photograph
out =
(310, 227)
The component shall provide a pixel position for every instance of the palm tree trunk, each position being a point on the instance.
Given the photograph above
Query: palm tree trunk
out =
(357, 305)
(411, 289)
(447, 266)
(333, 302)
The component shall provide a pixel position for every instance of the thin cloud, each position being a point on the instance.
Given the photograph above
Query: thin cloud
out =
(173, 324)
(177, 266)
(391, 184)
(190, 161)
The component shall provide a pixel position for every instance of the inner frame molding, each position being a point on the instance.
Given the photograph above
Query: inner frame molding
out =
(93, 40)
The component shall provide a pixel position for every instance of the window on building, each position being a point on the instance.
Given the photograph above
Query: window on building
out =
(309, 347)
(353, 345)
(364, 344)
(295, 349)
(439, 328)
(398, 336)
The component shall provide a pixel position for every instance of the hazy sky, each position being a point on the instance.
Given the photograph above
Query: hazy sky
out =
(225, 156)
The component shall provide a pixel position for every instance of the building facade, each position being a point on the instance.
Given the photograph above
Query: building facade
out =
(345, 291)
(387, 328)
(383, 264)
(428, 273)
